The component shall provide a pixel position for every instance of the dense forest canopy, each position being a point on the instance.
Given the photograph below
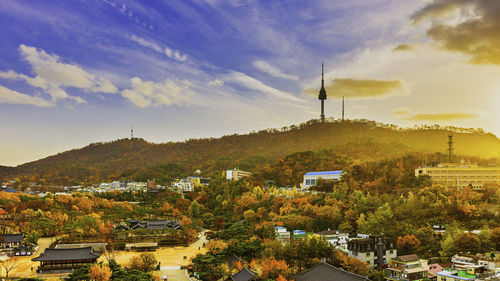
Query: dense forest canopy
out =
(345, 141)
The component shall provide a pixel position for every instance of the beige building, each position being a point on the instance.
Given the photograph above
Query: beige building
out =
(460, 174)
(237, 174)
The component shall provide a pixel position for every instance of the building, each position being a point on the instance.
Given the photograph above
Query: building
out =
(335, 237)
(311, 178)
(460, 174)
(11, 240)
(407, 268)
(452, 274)
(188, 184)
(243, 275)
(326, 272)
(237, 174)
(374, 250)
(433, 271)
(65, 260)
(282, 234)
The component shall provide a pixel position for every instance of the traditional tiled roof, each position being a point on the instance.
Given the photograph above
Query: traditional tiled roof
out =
(11, 238)
(243, 275)
(327, 272)
(52, 254)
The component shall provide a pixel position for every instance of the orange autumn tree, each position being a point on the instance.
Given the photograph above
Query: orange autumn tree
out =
(272, 268)
(352, 264)
(408, 244)
(99, 272)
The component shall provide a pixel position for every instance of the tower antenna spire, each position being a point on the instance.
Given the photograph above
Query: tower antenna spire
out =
(450, 147)
(342, 108)
(322, 93)
(131, 132)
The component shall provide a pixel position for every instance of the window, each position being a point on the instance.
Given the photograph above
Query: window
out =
(308, 182)
(313, 182)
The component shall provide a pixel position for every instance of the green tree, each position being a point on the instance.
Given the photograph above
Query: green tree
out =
(194, 209)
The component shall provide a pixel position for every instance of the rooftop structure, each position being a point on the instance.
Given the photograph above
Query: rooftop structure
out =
(243, 275)
(326, 272)
(11, 240)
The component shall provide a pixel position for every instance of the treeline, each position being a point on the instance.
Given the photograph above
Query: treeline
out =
(137, 159)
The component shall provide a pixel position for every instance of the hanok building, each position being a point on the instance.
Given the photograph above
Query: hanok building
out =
(11, 240)
(327, 272)
(374, 250)
(243, 275)
(65, 260)
(407, 268)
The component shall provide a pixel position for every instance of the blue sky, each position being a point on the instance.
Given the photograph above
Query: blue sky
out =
(75, 72)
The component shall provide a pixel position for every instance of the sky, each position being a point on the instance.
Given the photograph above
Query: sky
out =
(76, 72)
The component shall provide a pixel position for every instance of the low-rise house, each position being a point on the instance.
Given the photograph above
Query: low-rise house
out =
(452, 274)
(326, 272)
(11, 240)
(335, 237)
(237, 174)
(65, 260)
(282, 234)
(433, 270)
(407, 268)
(374, 250)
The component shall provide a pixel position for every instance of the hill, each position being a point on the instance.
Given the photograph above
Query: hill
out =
(140, 160)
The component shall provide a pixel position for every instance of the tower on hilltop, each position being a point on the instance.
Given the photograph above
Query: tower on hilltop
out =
(322, 94)
(450, 147)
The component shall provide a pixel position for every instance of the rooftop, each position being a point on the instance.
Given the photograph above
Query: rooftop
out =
(11, 238)
(324, 173)
(327, 272)
(52, 254)
(243, 275)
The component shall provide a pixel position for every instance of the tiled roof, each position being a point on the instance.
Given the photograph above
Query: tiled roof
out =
(243, 275)
(11, 238)
(327, 272)
(407, 258)
(52, 254)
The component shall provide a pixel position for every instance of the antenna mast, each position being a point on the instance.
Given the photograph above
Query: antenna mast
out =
(342, 108)
(450, 147)
(131, 132)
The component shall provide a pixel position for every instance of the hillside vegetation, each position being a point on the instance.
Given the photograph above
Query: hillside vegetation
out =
(349, 141)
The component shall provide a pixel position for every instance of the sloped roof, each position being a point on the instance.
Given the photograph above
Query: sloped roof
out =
(327, 272)
(324, 173)
(243, 275)
(407, 258)
(12, 238)
(52, 254)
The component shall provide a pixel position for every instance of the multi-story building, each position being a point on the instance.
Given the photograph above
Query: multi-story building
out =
(407, 268)
(282, 234)
(374, 250)
(335, 237)
(311, 178)
(460, 174)
(237, 174)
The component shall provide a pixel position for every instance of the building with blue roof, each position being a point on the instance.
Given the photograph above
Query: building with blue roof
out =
(311, 178)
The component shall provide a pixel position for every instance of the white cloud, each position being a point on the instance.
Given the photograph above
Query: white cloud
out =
(53, 76)
(148, 93)
(273, 70)
(254, 84)
(216, 82)
(13, 97)
(171, 54)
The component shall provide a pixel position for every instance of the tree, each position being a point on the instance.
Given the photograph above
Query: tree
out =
(194, 209)
(272, 268)
(145, 262)
(33, 237)
(467, 242)
(408, 244)
(8, 266)
(110, 255)
(99, 272)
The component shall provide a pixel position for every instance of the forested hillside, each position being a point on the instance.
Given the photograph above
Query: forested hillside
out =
(346, 141)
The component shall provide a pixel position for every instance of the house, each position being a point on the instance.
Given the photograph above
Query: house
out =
(453, 274)
(374, 250)
(243, 275)
(237, 174)
(407, 268)
(433, 270)
(282, 234)
(335, 237)
(326, 272)
(311, 178)
(11, 240)
(54, 260)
